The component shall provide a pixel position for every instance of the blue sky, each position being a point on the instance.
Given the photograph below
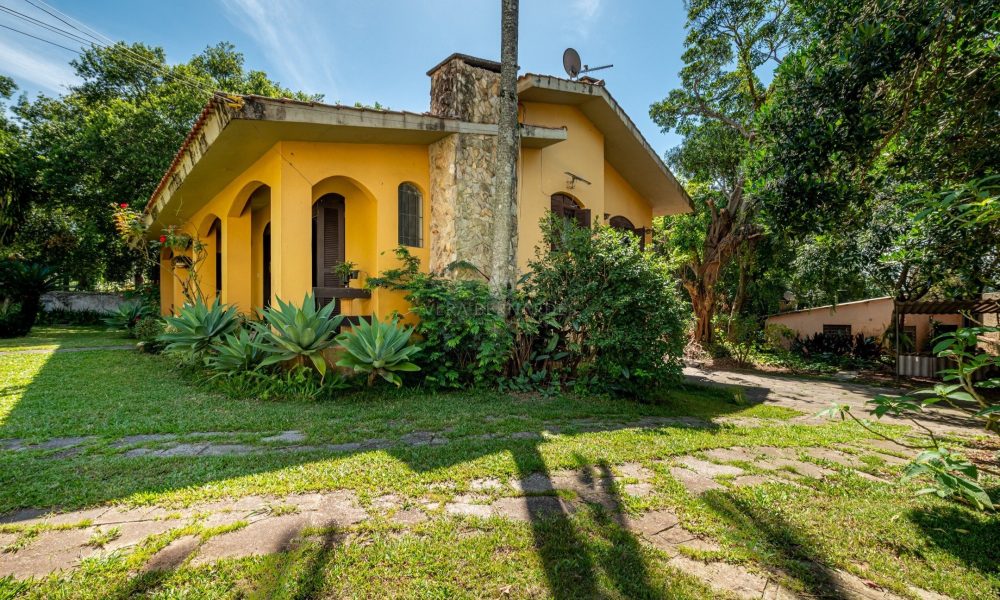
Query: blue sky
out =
(375, 50)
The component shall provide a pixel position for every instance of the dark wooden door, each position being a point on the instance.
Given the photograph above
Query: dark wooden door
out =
(328, 247)
(567, 207)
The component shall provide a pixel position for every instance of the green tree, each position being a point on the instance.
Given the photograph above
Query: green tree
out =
(729, 43)
(108, 141)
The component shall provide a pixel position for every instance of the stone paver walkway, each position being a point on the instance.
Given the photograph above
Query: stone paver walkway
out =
(37, 544)
(814, 395)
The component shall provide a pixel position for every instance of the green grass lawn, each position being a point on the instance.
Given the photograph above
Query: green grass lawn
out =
(44, 337)
(876, 530)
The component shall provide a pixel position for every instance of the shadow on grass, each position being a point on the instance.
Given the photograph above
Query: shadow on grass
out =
(973, 538)
(780, 544)
(87, 390)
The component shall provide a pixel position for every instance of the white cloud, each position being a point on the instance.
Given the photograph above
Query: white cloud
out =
(50, 73)
(289, 35)
(586, 13)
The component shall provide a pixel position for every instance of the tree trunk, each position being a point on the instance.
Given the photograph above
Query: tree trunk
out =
(701, 289)
(508, 147)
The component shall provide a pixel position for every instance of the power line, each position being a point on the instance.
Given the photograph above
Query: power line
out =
(39, 38)
(136, 59)
(44, 25)
(56, 15)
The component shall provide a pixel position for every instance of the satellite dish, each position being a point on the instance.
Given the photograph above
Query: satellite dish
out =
(571, 62)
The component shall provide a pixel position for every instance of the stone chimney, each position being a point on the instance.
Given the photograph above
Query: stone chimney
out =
(463, 165)
(466, 88)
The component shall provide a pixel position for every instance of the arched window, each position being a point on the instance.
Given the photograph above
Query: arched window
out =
(622, 224)
(411, 216)
(567, 207)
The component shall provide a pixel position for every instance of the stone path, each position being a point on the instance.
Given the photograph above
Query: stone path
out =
(220, 443)
(36, 544)
(811, 396)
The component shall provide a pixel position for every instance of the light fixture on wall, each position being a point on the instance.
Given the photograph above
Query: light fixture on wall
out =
(573, 178)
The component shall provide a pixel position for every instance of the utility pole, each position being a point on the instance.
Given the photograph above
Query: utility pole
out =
(508, 148)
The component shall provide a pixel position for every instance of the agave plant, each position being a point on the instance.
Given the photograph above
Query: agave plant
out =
(299, 334)
(236, 353)
(125, 317)
(197, 327)
(379, 349)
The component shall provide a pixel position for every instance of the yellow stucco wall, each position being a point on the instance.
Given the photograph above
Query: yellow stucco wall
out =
(543, 172)
(281, 186)
(296, 174)
(621, 200)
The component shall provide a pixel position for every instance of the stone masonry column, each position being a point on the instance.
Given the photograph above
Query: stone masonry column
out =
(463, 165)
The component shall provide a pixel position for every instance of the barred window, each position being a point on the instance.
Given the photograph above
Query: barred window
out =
(844, 330)
(411, 216)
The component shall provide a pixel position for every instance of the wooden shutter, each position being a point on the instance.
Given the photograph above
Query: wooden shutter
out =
(583, 217)
(558, 204)
(328, 245)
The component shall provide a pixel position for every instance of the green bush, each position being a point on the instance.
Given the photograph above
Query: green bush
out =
(299, 334)
(379, 349)
(196, 327)
(463, 341)
(296, 383)
(236, 353)
(21, 287)
(126, 316)
(608, 315)
(148, 331)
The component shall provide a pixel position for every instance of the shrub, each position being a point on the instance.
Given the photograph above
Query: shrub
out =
(823, 345)
(463, 341)
(236, 353)
(197, 326)
(296, 335)
(607, 315)
(379, 349)
(21, 287)
(296, 383)
(148, 331)
(778, 336)
(126, 316)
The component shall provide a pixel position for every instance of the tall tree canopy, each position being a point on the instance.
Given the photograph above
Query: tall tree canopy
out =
(107, 141)
(716, 109)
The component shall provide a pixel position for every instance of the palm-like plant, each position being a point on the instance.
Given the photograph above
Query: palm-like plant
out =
(299, 334)
(125, 317)
(236, 353)
(197, 326)
(379, 349)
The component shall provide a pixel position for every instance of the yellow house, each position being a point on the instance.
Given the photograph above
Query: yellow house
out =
(281, 192)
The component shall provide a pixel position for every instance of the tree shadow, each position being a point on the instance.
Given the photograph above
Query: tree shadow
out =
(973, 538)
(781, 545)
(583, 546)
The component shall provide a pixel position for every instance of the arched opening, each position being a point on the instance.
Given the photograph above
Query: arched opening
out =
(622, 224)
(210, 272)
(343, 249)
(265, 246)
(256, 206)
(569, 207)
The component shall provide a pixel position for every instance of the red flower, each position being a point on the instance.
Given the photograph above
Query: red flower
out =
(163, 239)
(124, 205)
